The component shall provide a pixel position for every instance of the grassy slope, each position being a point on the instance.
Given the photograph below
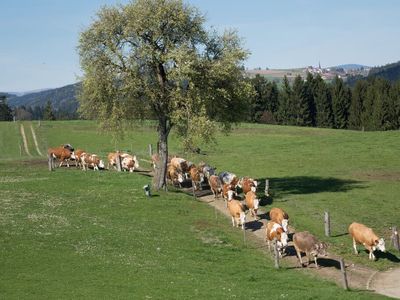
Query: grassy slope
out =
(83, 234)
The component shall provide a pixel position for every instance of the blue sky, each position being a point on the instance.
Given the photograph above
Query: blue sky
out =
(38, 38)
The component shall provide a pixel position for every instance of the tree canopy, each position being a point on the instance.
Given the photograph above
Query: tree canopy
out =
(154, 57)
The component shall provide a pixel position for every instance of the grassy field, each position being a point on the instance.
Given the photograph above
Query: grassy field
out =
(73, 234)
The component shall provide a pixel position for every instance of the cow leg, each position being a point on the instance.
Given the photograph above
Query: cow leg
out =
(60, 164)
(299, 256)
(371, 254)
(233, 221)
(355, 246)
(315, 260)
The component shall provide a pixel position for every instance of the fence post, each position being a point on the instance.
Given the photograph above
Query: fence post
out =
(276, 254)
(50, 162)
(327, 222)
(343, 269)
(118, 162)
(266, 191)
(395, 238)
(150, 150)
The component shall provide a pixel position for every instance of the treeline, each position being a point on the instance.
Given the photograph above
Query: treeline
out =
(372, 104)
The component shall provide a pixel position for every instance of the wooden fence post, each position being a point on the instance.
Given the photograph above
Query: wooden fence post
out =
(395, 238)
(266, 191)
(150, 150)
(276, 254)
(343, 269)
(118, 162)
(327, 222)
(50, 162)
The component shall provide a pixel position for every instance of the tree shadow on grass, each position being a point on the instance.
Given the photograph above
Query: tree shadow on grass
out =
(280, 187)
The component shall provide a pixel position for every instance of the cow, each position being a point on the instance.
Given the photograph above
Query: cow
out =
(274, 231)
(362, 234)
(155, 160)
(226, 187)
(174, 175)
(78, 154)
(307, 243)
(215, 186)
(236, 210)
(252, 203)
(228, 178)
(91, 160)
(197, 177)
(180, 164)
(207, 170)
(279, 216)
(61, 153)
(112, 159)
(129, 162)
(247, 184)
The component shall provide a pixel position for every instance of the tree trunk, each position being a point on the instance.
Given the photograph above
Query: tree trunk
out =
(160, 180)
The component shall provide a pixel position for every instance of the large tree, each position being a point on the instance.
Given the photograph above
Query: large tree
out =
(5, 110)
(154, 56)
(341, 99)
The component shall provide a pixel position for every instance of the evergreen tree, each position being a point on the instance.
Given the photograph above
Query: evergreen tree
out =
(395, 94)
(5, 110)
(384, 114)
(310, 87)
(368, 107)
(340, 103)
(300, 106)
(260, 101)
(48, 113)
(323, 103)
(357, 105)
(284, 102)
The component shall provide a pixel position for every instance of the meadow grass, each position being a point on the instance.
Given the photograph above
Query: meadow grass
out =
(74, 234)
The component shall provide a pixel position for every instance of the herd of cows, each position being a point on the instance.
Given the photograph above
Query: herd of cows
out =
(226, 185)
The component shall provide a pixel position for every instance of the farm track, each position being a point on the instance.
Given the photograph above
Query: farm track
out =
(35, 141)
(22, 130)
(358, 277)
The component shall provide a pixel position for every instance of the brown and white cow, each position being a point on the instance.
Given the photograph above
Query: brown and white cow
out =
(174, 175)
(155, 160)
(279, 216)
(274, 231)
(305, 242)
(228, 178)
(364, 235)
(78, 154)
(247, 184)
(112, 159)
(61, 153)
(180, 164)
(252, 203)
(92, 161)
(226, 188)
(129, 162)
(196, 176)
(215, 185)
(237, 211)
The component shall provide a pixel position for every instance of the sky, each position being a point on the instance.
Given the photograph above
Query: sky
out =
(39, 38)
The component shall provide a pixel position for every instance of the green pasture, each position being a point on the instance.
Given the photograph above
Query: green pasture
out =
(74, 234)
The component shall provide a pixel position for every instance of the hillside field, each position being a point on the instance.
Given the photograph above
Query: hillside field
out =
(74, 234)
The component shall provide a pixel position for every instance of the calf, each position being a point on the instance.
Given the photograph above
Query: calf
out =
(215, 185)
(362, 234)
(247, 184)
(307, 243)
(252, 203)
(236, 210)
(279, 216)
(61, 153)
(274, 231)
(78, 154)
(226, 188)
(91, 160)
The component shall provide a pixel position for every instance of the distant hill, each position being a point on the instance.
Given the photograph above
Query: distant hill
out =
(63, 98)
(347, 67)
(8, 95)
(390, 72)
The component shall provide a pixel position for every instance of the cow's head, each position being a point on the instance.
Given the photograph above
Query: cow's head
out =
(73, 156)
(380, 245)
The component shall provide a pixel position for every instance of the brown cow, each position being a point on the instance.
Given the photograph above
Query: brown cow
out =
(129, 162)
(236, 210)
(307, 243)
(274, 231)
(197, 177)
(362, 234)
(252, 203)
(247, 184)
(62, 154)
(174, 175)
(279, 216)
(215, 185)
(78, 154)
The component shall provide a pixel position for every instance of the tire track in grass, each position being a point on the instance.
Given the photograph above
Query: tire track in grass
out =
(24, 140)
(35, 141)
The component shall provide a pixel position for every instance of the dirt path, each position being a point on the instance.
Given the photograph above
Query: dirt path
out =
(35, 141)
(359, 277)
(24, 140)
